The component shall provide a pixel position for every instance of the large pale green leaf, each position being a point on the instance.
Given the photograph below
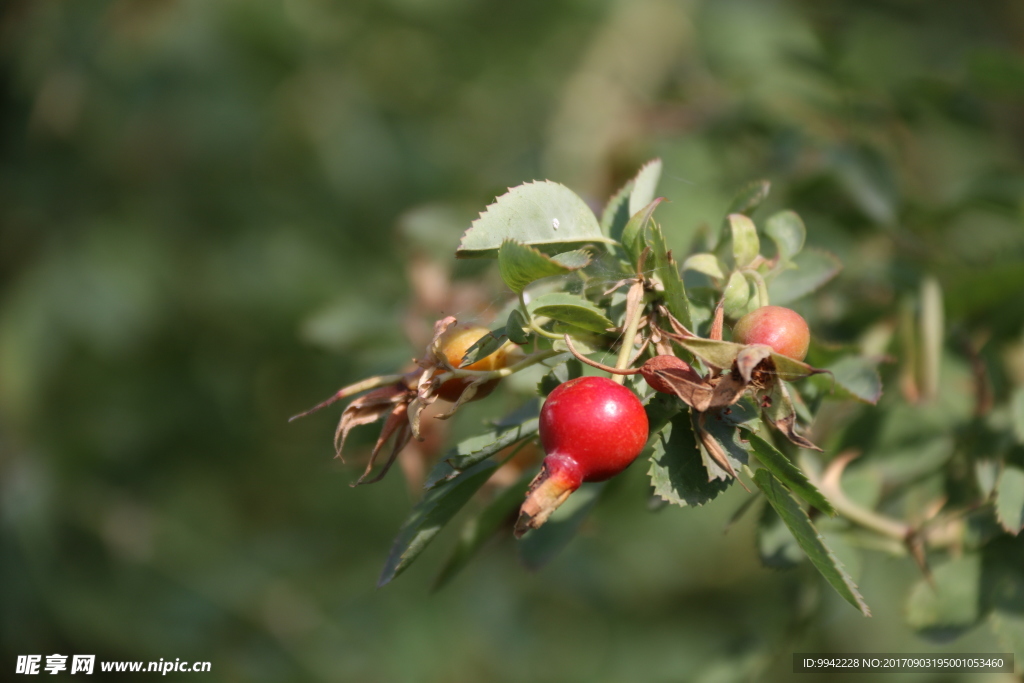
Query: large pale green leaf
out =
(571, 309)
(541, 545)
(477, 530)
(677, 471)
(475, 449)
(520, 265)
(737, 295)
(705, 263)
(436, 509)
(541, 213)
(1017, 413)
(645, 186)
(950, 603)
(788, 232)
(1010, 499)
(749, 197)
(854, 377)
(789, 474)
(668, 272)
(745, 244)
(809, 539)
(814, 268)
(633, 234)
(616, 212)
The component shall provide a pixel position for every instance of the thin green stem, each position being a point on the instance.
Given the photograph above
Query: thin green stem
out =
(762, 288)
(503, 372)
(869, 519)
(530, 321)
(632, 325)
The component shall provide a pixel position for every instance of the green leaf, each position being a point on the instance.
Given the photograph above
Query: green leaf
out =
(950, 604)
(645, 186)
(1009, 629)
(855, 377)
(814, 268)
(668, 272)
(616, 212)
(749, 197)
(560, 373)
(475, 449)
(776, 545)
(737, 295)
(571, 309)
(788, 232)
(516, 326)
(707, 264)
(477, 530)
(540, 213)
(633, 233)
(484, 346)
(1017, 413)
(789, 474)
(573, 260)
(720, 354)
(541, 545)
(520, 265)
(809, 539)
(677, 471)
(745, 244)
(436, 509)
(1010, 499)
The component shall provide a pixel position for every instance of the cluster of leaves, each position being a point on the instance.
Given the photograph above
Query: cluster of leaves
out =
(734, 414)
(712, 431)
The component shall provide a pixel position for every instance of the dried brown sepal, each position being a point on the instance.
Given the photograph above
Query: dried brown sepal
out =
(397, 424)
(467, 395)
(718, 322)
(729, 388)
(750, 357)
(677, 369)
(678, 329)
(777, 409)
(714, 451)
(368, 409)
(691, 388)
(434, 358)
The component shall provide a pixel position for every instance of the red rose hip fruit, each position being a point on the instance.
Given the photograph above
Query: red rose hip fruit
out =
(591, 429)
(782, 329)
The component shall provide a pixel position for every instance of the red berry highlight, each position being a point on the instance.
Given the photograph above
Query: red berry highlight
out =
(591, 429)
(781, 328)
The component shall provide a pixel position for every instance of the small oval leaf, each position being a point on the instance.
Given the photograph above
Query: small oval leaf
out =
(814, 268)
(745, 243)
(707, 264)
(788, 232)
(571, 309)
(749, 197)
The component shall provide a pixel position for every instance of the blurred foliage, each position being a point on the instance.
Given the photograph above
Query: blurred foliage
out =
(207, 216)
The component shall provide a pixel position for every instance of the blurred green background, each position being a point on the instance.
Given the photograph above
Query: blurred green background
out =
(206, 214)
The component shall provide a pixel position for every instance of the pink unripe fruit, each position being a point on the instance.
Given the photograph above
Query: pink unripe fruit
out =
(782, 329)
